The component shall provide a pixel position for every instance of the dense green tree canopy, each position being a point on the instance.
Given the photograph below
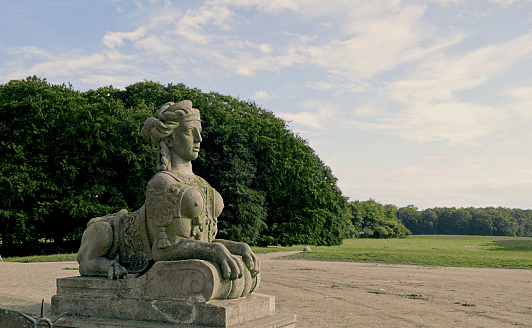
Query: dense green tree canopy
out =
(488, 221)
(70, 156)
(374, 220)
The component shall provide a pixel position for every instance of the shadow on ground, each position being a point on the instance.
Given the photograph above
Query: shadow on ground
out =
(510, 245)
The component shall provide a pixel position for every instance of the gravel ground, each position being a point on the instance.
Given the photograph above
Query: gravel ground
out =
(339, 294)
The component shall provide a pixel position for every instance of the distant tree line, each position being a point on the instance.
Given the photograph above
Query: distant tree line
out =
(488, 221)
(69, 156)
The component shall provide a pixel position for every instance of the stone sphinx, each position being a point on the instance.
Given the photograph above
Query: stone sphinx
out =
(162, 262)
(178, 220)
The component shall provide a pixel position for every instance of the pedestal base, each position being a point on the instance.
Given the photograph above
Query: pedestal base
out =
(216, 313)
(274, 321)
(188, 293)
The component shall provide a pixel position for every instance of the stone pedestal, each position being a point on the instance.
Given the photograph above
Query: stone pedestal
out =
(175, 293)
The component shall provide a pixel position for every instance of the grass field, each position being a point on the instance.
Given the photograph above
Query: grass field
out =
(458, 251)
(42, 258)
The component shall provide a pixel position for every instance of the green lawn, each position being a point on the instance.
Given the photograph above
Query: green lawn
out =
(42, 258)
(458, 251)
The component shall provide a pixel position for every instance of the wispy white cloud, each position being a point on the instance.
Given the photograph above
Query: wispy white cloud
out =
(316, 119)
(337, 86)
(440, 75)
(191, 24)
(468, 161)
(456, 123)
(368, 110)
(430, 108)
(520, 101)
(106, 63)
(505, 2)
(261, 94)
(445, 3)
(29, 52)
(112, 39)
(273, 6)
(156, 44)
(265, 48)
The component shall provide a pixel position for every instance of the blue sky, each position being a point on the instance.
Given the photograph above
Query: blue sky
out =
(409, 102)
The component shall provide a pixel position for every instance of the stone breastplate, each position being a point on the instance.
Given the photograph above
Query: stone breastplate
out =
(183, 207)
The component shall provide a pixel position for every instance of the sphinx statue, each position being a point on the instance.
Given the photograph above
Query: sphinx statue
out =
(179, 217)
(163, 263)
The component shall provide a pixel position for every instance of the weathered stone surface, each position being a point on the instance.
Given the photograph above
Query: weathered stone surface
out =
(187, 280)
(216, 313)
(307, 249)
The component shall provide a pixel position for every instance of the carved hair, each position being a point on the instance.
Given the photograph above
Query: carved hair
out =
(157, 130)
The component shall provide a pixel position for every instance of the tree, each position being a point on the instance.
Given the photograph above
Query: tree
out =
(410, 217)
(375, 220)
(71, 156)
(428, 222)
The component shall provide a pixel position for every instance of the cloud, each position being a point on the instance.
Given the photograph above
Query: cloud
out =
(469, 161)
(373, 46)
(272, 6)
(385, 35)
(89, 68)
(454, 122)
(368, 110)
(156, 44)
(29, 52)
(505, 3)
(445, 3)
(368, 126)
(340, 87)
(430, 110)
(316, 119)
(262, 94)
(438, 158)
(65, 66)
(243, 62)
(445, 182)
(520, 101)
(112, 39)
(191, 24)
(265, 48)
(308, 119)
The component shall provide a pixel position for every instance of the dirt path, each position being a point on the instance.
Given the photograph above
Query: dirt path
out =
(338, 294)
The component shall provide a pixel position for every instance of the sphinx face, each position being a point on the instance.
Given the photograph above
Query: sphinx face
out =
(187, 139)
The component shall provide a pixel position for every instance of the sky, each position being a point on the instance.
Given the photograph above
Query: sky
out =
(409, 102)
